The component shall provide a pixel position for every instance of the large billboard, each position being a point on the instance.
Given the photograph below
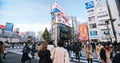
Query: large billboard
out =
(89, 5)
(83, 32)
(58, 15)
(9, 26)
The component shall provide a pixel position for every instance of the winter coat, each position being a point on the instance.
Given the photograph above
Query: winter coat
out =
(51, 49)
(44, 56)
(89, 52)
(60, 55)
(116, 58)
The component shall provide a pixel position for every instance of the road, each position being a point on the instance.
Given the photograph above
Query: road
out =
(15, 55)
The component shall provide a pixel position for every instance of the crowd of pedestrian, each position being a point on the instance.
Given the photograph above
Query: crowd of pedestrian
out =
(48, 52)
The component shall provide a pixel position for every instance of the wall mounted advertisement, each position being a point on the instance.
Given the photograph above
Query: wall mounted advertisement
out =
(9, 26)
(83, 32)
(89, 5)
(93, 34)
(59, 14)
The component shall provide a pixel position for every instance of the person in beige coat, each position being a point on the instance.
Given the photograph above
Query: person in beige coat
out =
(89, 55)
(60, 54)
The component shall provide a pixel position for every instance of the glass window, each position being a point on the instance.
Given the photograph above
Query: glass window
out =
(93, 33)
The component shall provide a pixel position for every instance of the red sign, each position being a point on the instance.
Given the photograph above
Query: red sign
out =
(2, 26)
(83, 32)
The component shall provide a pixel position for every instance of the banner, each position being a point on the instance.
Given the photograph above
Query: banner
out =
(83, 32)
(60, 15)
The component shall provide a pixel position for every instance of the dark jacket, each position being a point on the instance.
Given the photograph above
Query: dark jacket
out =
(44, 56)
(103, 54)
(116, 58)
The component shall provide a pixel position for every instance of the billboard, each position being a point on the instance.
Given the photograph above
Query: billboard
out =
(2, 26)
(58, 15)
(93, 34)
(9, 26)
(83, 32)
(89, 5)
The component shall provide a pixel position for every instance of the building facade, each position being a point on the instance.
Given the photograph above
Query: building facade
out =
(104, 20)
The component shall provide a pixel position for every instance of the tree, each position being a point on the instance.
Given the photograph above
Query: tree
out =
(46, 35)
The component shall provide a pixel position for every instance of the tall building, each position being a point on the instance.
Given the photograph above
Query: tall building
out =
(92, 22)
(105, 20)
(60, 23)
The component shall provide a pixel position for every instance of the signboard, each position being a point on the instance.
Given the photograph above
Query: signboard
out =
(9, 26)
(89, 5)
(83, 32)
(93, 34)
(58, 15)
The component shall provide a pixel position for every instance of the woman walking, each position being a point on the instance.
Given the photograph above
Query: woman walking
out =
(44, 54)
(89, 55)
(60, 54)
(25, 51)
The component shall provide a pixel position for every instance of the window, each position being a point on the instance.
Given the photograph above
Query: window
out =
(91, 18)
(93, 33)
(92, 25)
(102, 14)
(104, 32)
(90, 12)
(103, 22)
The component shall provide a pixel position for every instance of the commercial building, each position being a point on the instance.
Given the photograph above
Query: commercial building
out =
(104, 20)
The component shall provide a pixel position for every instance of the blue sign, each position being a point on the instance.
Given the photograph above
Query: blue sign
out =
(56, 10)
(89, 5)
(9, 26)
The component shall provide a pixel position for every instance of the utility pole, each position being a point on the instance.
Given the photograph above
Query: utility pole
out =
(111, 20)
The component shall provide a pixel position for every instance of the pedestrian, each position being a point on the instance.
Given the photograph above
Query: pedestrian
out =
(6, 49)
(76, 49)
(33, 50)
(98, 48)
(1, 51)
(60, 54)
(103, 54)
(51, 47)
(108, 51)
(116, 58)
(88, 49)
(26, 51)
(44, 54)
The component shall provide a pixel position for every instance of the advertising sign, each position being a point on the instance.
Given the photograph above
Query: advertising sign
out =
(89, 5)
(9, 26)
(93, 34)
(83, 32)
(59, 15)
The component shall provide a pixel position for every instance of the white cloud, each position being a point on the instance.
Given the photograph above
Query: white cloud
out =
(35, 27)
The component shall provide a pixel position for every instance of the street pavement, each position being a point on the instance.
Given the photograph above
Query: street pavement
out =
(15, 58)
(15, 55)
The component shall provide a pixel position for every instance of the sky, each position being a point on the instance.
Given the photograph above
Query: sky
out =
(34, 15)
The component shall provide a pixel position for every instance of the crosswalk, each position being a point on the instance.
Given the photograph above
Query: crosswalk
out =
(72, 59)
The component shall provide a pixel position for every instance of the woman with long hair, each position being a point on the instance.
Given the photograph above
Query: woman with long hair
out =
(44, 54)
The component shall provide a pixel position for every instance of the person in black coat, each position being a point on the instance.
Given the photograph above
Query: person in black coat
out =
(103, 54)
(116, 58)
(44, 54)
(25, 51)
